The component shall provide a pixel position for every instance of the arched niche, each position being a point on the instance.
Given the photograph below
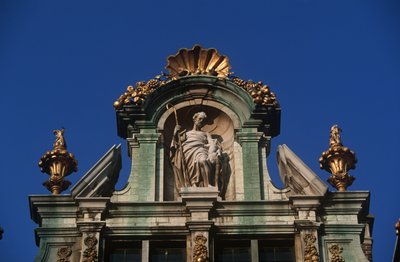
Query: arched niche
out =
(201, 90)
(220, 125)
(227, 106)
(148, 128)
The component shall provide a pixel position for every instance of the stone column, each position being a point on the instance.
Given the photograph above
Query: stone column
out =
(252, 168)
(199, 201)
(91, 225)
(143, 176)
(306, 239)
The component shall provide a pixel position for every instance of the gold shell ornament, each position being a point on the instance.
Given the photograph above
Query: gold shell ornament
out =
(198, 61)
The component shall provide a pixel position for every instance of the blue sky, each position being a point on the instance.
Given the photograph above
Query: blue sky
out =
(63, 63)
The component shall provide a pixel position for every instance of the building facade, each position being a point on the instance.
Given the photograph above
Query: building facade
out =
(199, 187)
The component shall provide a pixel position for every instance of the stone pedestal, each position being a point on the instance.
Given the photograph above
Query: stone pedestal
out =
(199, 201)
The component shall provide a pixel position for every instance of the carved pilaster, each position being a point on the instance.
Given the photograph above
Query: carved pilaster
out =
(199, 201)
(91, 225)
(200, 250)
(64, 253)
(307, 248)
(311, 253)
(90, 254)
(335, 252)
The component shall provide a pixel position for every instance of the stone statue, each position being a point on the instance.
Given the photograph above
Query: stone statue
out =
(196, 157)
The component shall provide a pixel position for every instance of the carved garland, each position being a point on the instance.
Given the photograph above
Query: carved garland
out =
(260, 93)
(310, 250)
(200, 253)
(64, 253)
(90, 254)
(336, 252)
(136, 95)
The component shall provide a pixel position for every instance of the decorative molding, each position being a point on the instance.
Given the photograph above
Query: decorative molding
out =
(310, 251)
(64, 253)
(336, 252)
(200, 253)
(90, 254)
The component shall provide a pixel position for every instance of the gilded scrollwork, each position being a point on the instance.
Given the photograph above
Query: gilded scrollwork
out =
(336, 253)
(310, 250)
(64, 253)
(90, 253)
(200, 253)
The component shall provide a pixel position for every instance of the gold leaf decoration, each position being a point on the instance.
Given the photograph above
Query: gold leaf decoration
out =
(310, 250)
(198, 61)
(200, 253)
(136, 95)
(338, 160)
(260, 93)
(58, 163)
(195, 61)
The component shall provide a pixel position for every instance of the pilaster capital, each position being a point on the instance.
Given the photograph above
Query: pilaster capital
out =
(244, 137)
(137, 139)
(304, 225)
(199, 201)
(301, 202)
(195, 226)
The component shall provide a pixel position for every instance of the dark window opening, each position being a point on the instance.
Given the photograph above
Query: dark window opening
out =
(276, 251)
(125, 251)
(232, 251)
(167, 251)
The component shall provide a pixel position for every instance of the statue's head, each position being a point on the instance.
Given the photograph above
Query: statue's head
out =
(198, 119)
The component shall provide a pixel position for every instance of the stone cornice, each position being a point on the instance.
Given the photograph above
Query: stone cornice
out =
(43, 206)
(271, 229)
(346, 203)
(343, 228)
(305, 202)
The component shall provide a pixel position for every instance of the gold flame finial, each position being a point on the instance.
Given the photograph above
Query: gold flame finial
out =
(58, 163)
(338, 160)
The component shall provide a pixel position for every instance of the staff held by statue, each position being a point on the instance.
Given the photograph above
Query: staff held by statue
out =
(185, 177)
